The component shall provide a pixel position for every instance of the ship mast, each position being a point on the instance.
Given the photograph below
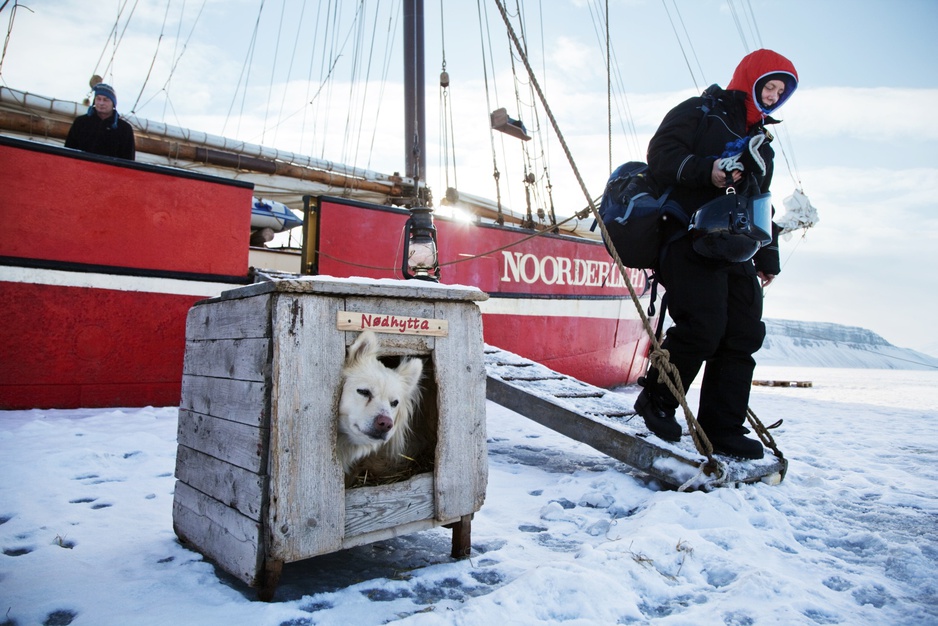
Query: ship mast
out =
(414, 96)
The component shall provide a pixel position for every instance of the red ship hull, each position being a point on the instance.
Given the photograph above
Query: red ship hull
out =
(101, 260)
(555, 299)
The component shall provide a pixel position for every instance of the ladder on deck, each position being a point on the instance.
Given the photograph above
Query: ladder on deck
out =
(606, 421)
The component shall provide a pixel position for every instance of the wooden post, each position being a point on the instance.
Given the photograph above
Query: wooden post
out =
(462, 543)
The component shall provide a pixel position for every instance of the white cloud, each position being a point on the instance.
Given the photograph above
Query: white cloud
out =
(881, 114)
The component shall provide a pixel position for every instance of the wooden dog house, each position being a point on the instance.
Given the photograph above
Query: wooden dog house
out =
(257, 480)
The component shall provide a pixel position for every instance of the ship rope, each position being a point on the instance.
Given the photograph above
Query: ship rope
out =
(528, 177)
(117, 40)
(6, 39)
(659, 357)
(541, 162)
(245, 69)
(447, 138)
(146, 79)
(483, 35)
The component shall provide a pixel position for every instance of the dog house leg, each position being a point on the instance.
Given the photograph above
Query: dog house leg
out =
(269, 579)
(462, 544)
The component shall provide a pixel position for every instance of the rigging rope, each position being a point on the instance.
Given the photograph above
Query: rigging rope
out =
(624, 109)
(542, 139)
(117, 40)
(178, 57)
(447, 136)
(664, 3)
(156, 52)
(392, 30)
(488, 103)
(296, 42)
(608, 87)
(273, 70)
(6, 40)
(244, 67)
(667, 372)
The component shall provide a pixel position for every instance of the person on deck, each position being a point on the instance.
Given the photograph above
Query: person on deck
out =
(703, 146)
(101, 130)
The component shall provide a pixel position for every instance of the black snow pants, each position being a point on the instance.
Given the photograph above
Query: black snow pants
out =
(717, 313)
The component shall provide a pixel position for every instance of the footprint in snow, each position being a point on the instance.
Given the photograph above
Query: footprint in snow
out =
(62, 617)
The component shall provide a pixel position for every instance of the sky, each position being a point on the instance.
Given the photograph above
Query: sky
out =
(855, 137)
(566, 535)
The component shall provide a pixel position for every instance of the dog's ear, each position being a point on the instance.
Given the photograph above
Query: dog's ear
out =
(364, 347)
(410, 371)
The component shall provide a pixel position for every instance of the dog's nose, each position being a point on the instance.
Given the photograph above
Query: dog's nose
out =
(383, 424)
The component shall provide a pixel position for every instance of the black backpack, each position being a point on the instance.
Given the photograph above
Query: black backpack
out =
(637, 218)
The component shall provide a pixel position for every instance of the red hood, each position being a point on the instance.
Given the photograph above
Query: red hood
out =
(756, 66)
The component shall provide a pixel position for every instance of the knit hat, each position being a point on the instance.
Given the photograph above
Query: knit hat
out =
(103, 89)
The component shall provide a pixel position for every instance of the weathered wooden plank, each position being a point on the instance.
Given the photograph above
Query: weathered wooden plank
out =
(382, 323)
(589, 419)
(231, 485)
(307, 505)
(221, 533)
(232, 319)
(238, 444)
(461, 468)
(782, 383)
(395, 531)
(395, 343)
(368, 509)
(241, 401)
(633, 451)
(243, 359)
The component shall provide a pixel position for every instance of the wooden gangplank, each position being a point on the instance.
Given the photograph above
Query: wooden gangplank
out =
(782, 383)
(606, 421)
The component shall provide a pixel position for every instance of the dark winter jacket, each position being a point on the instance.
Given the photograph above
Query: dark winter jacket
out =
(92, 134)
(691, 137)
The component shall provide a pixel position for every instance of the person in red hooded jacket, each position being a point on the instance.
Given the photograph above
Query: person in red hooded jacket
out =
(704, 145)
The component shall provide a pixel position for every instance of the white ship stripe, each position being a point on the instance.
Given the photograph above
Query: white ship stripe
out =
(525, 307)
(92, 280)
(563, 307)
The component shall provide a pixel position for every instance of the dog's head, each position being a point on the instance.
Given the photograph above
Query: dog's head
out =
(377, 401)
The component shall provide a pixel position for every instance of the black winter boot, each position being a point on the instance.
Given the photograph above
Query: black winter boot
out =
(737, 446)
(658, 420)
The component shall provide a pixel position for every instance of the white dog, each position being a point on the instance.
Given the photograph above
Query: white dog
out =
(376, 404)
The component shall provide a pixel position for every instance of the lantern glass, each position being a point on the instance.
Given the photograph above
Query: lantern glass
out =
(422, 257)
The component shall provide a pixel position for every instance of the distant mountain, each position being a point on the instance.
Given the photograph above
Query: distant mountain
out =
(821, 344)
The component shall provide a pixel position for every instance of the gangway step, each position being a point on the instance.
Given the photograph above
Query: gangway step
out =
(606, 421)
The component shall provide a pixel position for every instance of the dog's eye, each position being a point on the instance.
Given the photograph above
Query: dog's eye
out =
(364, 392)
(394, 403)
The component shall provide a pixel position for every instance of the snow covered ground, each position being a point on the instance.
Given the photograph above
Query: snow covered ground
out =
(566, 535)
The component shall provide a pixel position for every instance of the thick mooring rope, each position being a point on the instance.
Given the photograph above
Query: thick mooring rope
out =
(667, 372)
